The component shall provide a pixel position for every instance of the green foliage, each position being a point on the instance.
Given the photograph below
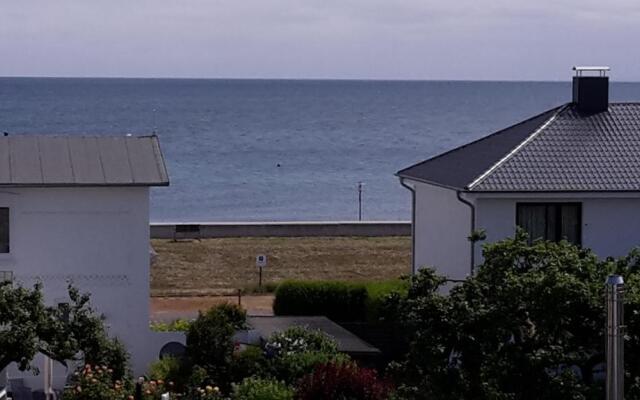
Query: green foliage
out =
(261, 389)
(61, 332)
(249, 362)
(298, 350)
(529, 325)
(339, 301)
(96, 383)
(210, 345)
(178, 325)
(167, 369)
(298, 339)
(23, 317)
(291, 367)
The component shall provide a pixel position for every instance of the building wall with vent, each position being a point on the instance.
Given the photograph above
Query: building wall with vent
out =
(95, 238)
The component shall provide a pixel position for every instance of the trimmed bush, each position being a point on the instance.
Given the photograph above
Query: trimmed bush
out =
(261, 389)
(337, 300)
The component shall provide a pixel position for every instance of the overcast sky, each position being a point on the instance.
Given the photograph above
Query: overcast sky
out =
(363, 39)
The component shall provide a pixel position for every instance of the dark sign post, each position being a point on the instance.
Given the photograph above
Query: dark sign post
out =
(261, 262)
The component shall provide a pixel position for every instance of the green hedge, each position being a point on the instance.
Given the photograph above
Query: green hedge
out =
(337, 300)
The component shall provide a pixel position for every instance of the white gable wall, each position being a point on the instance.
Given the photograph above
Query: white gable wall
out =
(442, 225)
(96, 237)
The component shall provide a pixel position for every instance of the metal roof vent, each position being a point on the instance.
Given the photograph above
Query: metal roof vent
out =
(591, 89)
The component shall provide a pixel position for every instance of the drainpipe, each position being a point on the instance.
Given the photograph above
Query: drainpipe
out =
(413, 224)
(473, 228)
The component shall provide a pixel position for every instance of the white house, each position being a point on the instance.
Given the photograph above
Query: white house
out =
(572, 172)
(75, 208)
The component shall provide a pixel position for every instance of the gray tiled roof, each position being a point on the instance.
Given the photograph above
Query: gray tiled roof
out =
(560, 150)
(49, 160)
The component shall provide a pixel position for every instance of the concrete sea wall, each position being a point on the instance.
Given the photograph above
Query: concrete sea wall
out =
(203, 230)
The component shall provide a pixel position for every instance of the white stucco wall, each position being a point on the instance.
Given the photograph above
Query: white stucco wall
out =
(442, 226)
(610, 222)
(98, 238)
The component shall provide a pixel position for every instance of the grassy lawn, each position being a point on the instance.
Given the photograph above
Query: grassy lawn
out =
(219, 266)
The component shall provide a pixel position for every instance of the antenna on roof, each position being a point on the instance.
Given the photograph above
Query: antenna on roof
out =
(154, 121)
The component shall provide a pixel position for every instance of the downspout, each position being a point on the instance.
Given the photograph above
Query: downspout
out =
(473, 229)
(413, 224)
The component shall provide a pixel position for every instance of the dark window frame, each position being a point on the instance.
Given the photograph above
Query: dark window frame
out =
(6, 210)
(558, 215)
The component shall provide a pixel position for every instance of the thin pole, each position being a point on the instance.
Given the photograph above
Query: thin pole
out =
(614, 289)
(359, 201)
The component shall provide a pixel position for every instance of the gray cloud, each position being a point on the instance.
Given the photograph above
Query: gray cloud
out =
(401, 39)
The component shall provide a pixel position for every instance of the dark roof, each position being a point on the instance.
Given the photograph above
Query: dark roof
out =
(347, 341)
(49, 160)
(559, 150)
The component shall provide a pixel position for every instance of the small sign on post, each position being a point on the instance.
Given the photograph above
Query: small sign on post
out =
(261, 262)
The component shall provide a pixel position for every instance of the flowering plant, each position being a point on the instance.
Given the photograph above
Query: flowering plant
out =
(297, 340)
(96, 383)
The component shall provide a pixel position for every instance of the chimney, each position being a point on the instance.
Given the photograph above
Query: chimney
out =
(591, 89)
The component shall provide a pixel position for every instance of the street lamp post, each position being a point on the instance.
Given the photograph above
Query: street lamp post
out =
(614, 289)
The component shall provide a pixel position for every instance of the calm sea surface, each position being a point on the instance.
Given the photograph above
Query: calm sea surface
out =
(224, 139)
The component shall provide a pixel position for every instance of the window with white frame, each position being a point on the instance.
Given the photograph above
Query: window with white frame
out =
(4, 229)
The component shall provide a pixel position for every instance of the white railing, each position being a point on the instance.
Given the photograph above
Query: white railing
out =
(3, 394)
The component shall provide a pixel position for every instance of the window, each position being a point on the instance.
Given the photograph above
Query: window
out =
(4, 230)
(551, 221)
(6, 276)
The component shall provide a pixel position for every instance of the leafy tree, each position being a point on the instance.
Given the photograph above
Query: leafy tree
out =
(22, 317)
(210, 345)
(529, 325)
(65, 332)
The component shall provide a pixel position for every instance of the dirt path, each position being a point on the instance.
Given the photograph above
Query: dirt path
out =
(171, 308)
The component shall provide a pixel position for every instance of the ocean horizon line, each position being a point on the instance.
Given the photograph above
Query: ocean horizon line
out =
(310, 79)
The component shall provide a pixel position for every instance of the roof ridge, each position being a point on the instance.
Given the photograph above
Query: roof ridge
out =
(557, 108)
(520, 146)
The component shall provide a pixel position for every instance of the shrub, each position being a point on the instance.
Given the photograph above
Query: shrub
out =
(95, 383)
(298, 339)
(209, 342)
(291, 367)
(168, 369)
(379, 292)
(261, 389)
(339, 301)
(343, 381)
(297, 350)
(249, 362)
(178, 325)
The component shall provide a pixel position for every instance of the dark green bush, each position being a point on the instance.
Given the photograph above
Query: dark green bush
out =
(339, 301)
(297, 351)
(261, 389)
(210, 344)
(249, 362)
